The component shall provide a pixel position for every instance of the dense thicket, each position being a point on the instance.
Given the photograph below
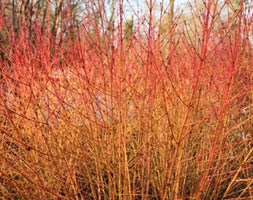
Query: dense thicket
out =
(97, 103)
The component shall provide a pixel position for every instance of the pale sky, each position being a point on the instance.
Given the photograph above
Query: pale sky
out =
(142, 5)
